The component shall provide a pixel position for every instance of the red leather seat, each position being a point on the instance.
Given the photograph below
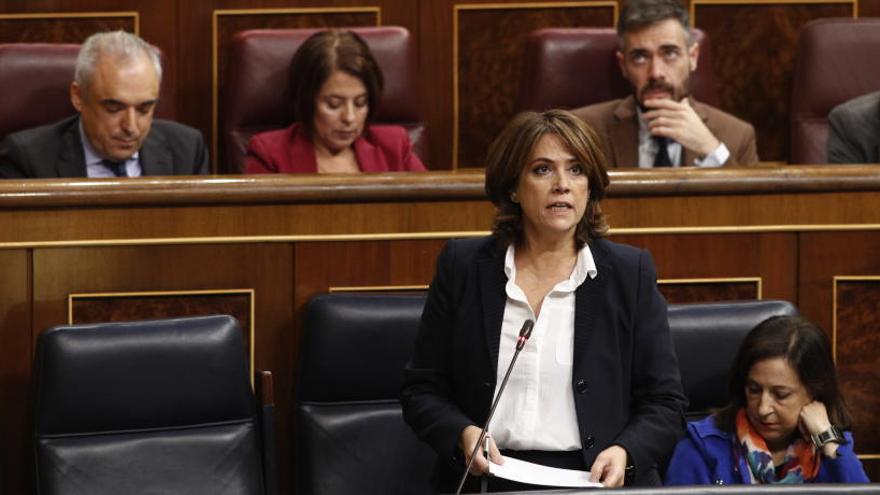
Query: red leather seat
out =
(836, 62)
(255, 96)
(573, 67)
(35, 83)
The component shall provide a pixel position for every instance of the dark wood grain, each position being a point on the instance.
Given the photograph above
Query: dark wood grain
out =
(858, 357)
(491, 44)
(15, 370)
(132, 307)
(754, 82)
(59, 29)
(701, 292)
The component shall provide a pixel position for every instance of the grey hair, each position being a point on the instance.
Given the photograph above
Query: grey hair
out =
(118, 44)
(639, 14)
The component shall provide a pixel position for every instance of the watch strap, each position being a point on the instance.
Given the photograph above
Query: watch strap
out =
(832, 434)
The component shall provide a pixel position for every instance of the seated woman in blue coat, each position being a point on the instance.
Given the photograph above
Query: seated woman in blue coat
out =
(786, 421)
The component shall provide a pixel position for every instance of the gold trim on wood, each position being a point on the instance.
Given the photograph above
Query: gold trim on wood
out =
(377, 288)
(834, 281)
(79, 15)
(388, 236)
(215, 45)
(498, 6)
(694, 3)
(249, 292)
(758, 281)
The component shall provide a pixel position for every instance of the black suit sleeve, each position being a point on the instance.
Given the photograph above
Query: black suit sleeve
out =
(658, 401)
(12, 164)
(427, 396)
(843, 145)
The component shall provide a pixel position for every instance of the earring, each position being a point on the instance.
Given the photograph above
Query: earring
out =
(514, 198)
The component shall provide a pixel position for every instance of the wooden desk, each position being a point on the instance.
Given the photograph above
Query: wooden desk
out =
(260, 247)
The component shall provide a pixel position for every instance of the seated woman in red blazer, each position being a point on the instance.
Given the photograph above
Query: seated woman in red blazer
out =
(335, 85)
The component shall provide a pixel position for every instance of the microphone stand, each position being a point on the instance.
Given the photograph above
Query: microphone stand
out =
(524, 334)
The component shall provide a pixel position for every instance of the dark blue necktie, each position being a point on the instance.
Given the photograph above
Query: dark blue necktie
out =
(118, 168)
(662, 158)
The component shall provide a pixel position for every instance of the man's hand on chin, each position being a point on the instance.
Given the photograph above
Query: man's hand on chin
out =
(678, 121)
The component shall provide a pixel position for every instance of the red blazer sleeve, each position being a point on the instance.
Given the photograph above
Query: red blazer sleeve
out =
(258, 158)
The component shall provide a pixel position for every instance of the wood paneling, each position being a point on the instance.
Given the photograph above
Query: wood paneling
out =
(265, 268)
(108, 307)
(15, 370)
(289, 238)
(491, 46)
(62, 28)
(716, 290)
(754, 83)
(857, 345)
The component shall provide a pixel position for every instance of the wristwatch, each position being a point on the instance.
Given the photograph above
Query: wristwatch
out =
(832, 434)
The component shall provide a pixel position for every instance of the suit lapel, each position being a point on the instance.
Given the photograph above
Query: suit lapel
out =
(492, 282)
(369, 156)
(155, 155)
(624, 134)
(587, 304)
(688, 156)
(71, 157)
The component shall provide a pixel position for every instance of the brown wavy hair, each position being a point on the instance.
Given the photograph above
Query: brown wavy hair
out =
(510, 152)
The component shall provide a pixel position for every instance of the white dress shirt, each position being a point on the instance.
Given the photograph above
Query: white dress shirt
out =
(648, 150)
(537, 410)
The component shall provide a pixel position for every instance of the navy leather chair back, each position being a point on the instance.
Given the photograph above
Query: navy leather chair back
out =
(706, 338)
(351, 437)
(148, 407)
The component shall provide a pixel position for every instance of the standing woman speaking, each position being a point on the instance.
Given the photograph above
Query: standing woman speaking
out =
(597, 387)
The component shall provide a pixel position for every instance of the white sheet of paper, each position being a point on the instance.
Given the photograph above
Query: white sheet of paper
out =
(536, 474)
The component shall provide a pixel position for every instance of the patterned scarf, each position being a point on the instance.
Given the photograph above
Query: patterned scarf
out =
(801, 461)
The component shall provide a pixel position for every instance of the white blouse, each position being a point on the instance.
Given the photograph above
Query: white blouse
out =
(537, 410)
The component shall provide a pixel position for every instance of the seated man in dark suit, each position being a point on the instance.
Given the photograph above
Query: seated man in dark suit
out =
(854, 131)
(660, 125)
(115, 90)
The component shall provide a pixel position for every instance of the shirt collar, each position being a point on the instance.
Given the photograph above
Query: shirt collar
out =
(584, 267)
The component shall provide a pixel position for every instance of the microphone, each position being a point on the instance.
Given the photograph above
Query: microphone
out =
(524, 333)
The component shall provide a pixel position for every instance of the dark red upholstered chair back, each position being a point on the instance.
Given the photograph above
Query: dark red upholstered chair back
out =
(35, 83)
(836, 62)
(255, 95)
(573, 67)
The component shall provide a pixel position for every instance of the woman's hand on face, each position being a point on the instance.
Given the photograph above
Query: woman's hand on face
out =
(469, 437)
(814, 418)
(609, 467)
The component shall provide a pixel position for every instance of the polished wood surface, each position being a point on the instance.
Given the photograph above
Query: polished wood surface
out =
(715, 234)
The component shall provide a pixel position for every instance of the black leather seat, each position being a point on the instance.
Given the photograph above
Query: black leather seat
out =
(707, 337)
(149, 407)
(351, 433)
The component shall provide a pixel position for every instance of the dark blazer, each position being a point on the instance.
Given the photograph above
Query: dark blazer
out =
(382, 148)
(55, 150)
(625, 378)
(615, 122)
(854, 131)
